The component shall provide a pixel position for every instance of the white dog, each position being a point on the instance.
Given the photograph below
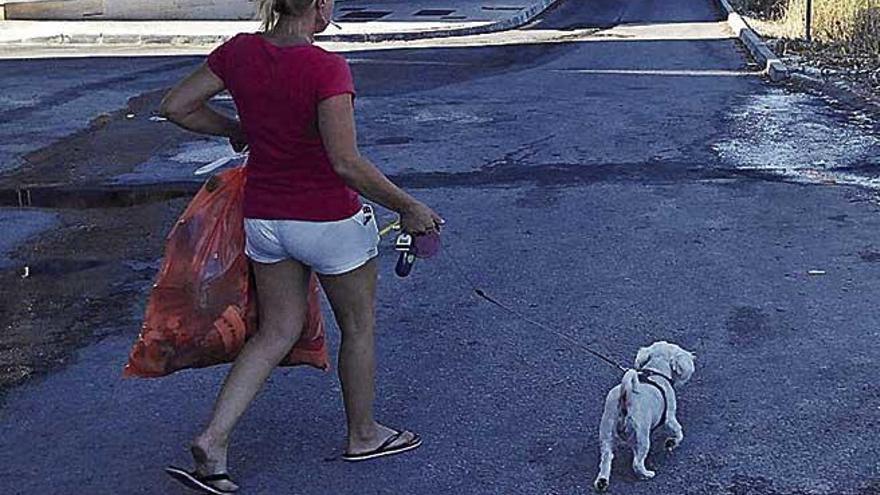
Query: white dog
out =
(643, 402)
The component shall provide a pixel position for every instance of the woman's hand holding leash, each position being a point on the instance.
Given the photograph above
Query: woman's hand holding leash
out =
(418, 218)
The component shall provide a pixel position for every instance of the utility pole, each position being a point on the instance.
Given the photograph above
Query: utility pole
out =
(809, 21)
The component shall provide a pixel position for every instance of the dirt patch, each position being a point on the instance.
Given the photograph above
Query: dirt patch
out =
(870, 256)
(113, 144)
(757, 485)
(86, 277)
(83, 279)
(857, 73)
(749, 327)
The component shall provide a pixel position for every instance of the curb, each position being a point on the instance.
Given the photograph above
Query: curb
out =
(119, 40)
(514, 22)
(773, 66)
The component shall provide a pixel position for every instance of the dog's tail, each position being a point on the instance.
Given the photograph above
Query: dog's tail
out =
(630, 378)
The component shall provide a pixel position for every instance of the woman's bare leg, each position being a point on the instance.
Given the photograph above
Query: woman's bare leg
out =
(352, 296)
(282, 292)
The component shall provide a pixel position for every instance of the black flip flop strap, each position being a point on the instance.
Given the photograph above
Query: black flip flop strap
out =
(381, 448)
(214, 477)
(390, 440)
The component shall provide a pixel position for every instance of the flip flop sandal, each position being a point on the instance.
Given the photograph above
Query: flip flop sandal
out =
(386, 449)
(203, 484)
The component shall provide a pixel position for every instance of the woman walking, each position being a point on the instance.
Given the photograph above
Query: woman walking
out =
(302, 214)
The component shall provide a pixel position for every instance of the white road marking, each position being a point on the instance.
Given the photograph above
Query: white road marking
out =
(662, 72)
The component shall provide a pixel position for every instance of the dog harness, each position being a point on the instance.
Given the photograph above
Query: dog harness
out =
(644, 375)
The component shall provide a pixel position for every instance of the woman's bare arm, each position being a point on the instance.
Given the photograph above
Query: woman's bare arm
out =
(336, 123)
(187, 106)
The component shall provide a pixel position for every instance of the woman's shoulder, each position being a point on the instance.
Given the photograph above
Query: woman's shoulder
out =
(325, 56)
(243, 39)
(235, 43)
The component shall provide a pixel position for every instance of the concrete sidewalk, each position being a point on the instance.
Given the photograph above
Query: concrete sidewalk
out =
(359, 21)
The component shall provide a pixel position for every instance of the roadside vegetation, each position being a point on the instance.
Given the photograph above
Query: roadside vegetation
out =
(846, 33)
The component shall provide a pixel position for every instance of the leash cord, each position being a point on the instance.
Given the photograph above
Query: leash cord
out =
(483, 294)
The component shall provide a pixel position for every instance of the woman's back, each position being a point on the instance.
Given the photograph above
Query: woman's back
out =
(277, 90)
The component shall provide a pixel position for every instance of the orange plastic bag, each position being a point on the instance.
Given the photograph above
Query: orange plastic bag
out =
(203, 305)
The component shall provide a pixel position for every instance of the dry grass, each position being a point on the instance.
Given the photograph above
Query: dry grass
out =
(850, 26)
(846, 37)
(853, 24)
(846, 33)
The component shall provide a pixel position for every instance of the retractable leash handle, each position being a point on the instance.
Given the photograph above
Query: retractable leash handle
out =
(411, 247)
(404, 245)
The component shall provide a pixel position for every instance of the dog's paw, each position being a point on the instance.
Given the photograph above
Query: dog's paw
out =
(671, 444)
(601, 484)
(646, 474)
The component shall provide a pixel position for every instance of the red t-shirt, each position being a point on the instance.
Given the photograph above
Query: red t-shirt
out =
(277, 90)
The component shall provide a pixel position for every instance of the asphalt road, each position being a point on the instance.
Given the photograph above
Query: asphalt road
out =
(627, 179)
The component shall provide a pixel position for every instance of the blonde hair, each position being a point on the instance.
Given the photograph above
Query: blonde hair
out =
(270, 11)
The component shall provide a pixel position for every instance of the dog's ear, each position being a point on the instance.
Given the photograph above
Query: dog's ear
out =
(642, 357)
(683, 366)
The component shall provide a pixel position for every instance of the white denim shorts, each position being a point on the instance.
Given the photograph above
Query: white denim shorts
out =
(329, 248)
